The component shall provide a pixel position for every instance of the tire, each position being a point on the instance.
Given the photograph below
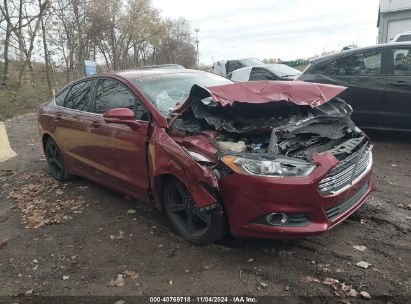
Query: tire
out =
(198, 227)
(55, 161)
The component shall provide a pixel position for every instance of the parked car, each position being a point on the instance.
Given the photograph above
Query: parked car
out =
(260, 159)
(225, 67)
(265, 72)
(378, 80)
(403, 37)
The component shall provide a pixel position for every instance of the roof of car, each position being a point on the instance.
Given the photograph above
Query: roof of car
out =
(347, 52)
(130, 74)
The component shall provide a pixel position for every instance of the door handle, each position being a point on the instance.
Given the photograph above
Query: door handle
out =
(57, 117)
(399, 84)
(95, 124)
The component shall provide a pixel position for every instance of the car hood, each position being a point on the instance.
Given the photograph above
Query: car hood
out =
(258, 92)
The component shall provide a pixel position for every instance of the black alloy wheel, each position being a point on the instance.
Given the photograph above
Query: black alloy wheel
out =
(55, 161)
(200, 227)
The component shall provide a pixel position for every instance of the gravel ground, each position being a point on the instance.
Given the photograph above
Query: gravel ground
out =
(80, 239)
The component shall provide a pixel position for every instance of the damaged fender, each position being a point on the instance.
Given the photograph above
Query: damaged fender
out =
(165, 156)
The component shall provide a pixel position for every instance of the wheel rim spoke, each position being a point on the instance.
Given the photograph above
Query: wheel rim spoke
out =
(204, 217)
(190, 223)
(178, 208)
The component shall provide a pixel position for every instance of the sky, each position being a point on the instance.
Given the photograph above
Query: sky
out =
(285, 29)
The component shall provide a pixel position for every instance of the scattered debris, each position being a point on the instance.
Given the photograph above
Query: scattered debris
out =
(65, 278)
(363, 264)
(131, 211)
(365, 295)
(170, 282)
(263, 285)
(359, 247)
(29, 292)
(287, 288)
(120, 236)
(250, 260)
(119, 282)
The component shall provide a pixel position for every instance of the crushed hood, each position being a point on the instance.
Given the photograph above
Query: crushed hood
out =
(257, 92)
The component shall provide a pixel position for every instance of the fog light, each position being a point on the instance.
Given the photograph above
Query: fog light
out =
(277, 219)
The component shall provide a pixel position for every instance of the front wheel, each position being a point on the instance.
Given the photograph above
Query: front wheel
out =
(199, 227)
(55, 161)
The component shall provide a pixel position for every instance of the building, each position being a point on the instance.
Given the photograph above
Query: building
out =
(394, 17)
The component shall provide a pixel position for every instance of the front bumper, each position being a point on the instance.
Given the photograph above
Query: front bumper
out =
(247, 198)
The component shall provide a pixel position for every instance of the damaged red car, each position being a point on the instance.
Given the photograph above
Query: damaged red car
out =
(257, 159)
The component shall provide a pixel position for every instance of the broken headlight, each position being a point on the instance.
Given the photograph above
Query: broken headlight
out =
(278, 167)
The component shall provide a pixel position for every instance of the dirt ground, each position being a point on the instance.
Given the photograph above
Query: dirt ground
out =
(82, 239)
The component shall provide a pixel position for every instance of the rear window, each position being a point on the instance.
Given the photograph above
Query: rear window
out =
(404, 38)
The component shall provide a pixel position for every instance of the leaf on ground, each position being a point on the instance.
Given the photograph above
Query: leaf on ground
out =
(365, 295)
(363, 264)
(359, 247)
(118, 282)
(312, 279)
(334, 283)
(59, 192)
(352, 293)
(120, 236)
(3, 243)
(134, 275)
(35, 221)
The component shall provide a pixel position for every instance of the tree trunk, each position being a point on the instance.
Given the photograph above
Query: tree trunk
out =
(46, 55)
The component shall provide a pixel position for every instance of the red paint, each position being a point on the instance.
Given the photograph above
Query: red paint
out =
(115, 150)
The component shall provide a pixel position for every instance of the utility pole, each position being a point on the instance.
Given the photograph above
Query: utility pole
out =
(197, 42)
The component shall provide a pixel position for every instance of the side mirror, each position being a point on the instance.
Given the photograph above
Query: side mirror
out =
(121, 116)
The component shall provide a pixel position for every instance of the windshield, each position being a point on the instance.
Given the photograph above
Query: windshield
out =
(166, 90)
(282, 70)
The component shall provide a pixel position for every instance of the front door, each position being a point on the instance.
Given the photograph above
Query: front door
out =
(118, 153)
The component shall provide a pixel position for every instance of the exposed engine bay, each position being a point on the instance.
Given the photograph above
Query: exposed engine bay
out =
(275, 129)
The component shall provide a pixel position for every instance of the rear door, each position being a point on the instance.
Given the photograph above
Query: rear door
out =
(398, 105)
(71, 124)
(118, 153)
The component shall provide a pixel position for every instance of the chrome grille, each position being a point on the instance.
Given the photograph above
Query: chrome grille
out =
(343, 174)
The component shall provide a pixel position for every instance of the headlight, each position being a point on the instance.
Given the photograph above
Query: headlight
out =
(278, 167)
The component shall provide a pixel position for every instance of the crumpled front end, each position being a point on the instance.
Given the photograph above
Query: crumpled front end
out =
(289, 167)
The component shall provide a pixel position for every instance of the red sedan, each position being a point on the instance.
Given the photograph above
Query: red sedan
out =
(259, 159)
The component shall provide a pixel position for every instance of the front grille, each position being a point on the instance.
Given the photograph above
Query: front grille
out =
(343, 174)
(341, 208)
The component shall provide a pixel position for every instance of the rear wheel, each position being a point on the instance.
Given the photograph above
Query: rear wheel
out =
(199, 227)
(55, 161)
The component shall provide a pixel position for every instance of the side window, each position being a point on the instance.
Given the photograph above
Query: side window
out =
(111, 94)
(233, 65)
(61, 97)
(402, 61)
(261, 74)
(78, 97)
(360, 64)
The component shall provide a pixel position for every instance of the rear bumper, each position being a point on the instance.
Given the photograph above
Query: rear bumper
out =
(248, 198)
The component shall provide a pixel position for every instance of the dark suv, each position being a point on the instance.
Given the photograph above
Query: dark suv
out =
(378, 80)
